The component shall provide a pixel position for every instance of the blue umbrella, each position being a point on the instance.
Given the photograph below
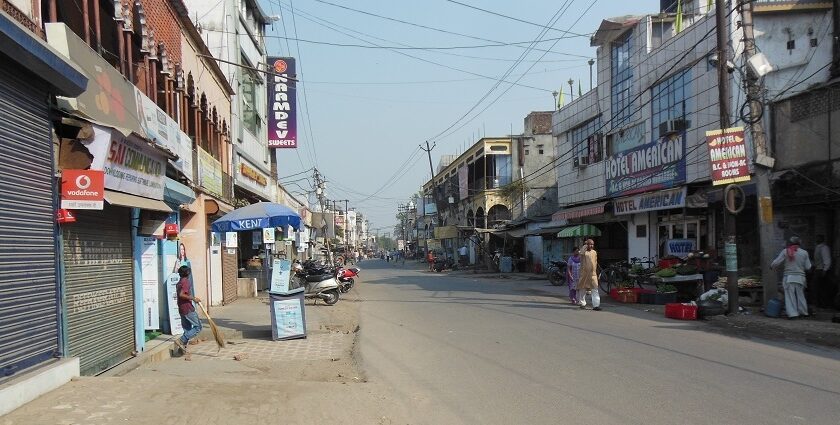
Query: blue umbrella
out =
(258, 216)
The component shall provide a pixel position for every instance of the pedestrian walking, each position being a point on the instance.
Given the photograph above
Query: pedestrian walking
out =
(462, 255)
(189, 318)
(573, 274)
(796, 263)
(588, 280)
(431, 259)
(823, 286)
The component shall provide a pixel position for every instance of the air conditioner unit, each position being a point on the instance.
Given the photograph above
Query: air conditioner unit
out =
(673, 126)
(581, 161)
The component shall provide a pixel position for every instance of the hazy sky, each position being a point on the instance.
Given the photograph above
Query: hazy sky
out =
(367, 110)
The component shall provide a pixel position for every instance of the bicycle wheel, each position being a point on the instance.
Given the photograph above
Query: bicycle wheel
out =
(606, 279)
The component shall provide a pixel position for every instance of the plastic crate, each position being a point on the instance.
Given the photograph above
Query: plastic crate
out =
(681, 311)
(627, 296)
(647, 296)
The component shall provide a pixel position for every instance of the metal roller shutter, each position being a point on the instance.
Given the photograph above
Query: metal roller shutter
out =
(230, 271)
(28, 291)
(99, 296)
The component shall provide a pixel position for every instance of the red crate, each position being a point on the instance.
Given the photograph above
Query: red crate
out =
(681, 311)
(627, 296)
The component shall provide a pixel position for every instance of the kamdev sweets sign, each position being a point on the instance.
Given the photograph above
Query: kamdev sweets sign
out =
(656, 165)
(728, 155)
(282, 104)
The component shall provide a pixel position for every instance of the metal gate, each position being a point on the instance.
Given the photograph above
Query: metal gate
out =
(99, 297)
(28, 291)
(230, 271)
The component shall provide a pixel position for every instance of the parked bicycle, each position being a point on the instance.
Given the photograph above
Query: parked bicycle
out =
(635, 272)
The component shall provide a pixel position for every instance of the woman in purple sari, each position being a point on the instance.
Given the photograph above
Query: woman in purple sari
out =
(573, 274)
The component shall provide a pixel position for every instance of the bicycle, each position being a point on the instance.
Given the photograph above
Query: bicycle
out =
(622, 272)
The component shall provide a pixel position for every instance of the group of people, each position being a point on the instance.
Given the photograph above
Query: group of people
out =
(582, 276)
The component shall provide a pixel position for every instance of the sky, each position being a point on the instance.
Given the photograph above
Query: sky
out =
(364, 112)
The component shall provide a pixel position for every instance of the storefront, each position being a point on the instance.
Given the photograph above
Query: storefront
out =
(611, 244)
(30, 308)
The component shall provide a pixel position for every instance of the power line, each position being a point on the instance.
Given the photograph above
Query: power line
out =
(516, 19)
(458, 80)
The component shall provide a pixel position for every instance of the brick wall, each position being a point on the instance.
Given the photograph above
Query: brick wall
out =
(162, 20)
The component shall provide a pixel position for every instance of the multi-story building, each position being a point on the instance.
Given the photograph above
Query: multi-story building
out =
(155, 118)
(632, 154)
(31, 305)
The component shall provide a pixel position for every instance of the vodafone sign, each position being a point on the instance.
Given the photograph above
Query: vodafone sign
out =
(82, 189)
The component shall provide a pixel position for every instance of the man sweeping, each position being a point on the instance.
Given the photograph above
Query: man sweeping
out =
(189, 318)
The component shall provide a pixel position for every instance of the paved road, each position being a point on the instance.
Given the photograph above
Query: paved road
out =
(467, 350)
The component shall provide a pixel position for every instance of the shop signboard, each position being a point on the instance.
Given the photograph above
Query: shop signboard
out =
(728, 155)
(268, 235)
(628, 138)
(130, 165)
(82, 189)
(250, 178)
(209, 172)
(282, 103)
(656, 165)
(653, 201)
(163, 130)
(680, 247)
(150, 273)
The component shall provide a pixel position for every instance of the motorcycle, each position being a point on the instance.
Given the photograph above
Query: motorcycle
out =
(557, 272)
(445, 264)
(318, 282)
(346, 278)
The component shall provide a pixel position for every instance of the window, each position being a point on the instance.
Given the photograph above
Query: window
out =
(248, 88)
(670, 103)
(540, 147)
(587, 142)
(622, 79)
(526, 151)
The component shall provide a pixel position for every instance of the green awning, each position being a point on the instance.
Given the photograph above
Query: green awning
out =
(579, 231)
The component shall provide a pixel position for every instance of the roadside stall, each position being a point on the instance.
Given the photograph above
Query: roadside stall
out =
(287, 306)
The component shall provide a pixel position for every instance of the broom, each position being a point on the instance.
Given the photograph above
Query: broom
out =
(217, 334)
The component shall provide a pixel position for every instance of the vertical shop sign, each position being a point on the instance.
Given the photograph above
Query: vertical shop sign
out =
(282, 104)
(149, 270)
(728, 155)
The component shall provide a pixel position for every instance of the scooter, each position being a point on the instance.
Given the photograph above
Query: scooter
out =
(346, 278)
(445, 264)
(318, 283)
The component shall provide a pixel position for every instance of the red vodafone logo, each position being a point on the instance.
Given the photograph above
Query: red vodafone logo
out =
(82, 189)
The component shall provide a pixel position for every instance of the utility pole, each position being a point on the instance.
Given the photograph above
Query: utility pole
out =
(730, 246)
(763, 161)
(431, 179)
(320, 187)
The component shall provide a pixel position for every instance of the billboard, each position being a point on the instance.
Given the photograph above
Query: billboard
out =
(728, 154)
(656, 165)
(282, 104)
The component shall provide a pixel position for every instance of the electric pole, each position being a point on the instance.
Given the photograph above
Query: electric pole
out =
(730, 245)
(763, 161)
(320, 189)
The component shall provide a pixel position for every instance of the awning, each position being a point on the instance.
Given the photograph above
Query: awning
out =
(579, 231)
(133, 201)
(517, 233)
(578, 212)
(177, 193)
(545, 231)
(611, 28)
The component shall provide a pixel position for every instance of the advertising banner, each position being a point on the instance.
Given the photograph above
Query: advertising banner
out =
(82, 189)
(163, 130)
(680, 247)
(172, 299)
(268, 235)
(249, 177)
(653, 201)
(656, 165)
(463, 183)
(209, 172)
(129, 166)
(281, 272)
(149, 271)
(282, 104)
(728, 155)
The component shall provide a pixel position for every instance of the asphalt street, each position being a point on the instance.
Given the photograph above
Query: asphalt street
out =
(463, 349)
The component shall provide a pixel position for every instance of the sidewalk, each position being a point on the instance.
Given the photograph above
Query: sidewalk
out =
(815, 330)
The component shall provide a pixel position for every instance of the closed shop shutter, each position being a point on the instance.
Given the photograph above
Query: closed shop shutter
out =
(28, 291)
(230, 271)
(99, 294)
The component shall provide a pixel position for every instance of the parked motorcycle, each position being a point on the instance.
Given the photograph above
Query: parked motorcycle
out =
(318, 282)
(445, 264)
(346, 278)
(557, 272)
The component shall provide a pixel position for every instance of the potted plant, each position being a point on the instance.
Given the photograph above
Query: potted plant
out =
(665, 294)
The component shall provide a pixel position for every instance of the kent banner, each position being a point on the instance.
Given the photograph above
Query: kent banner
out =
(282, 104)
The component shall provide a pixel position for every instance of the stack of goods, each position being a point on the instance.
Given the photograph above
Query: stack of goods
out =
(744, 282)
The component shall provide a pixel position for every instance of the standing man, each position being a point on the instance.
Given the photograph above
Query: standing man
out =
(824, 288)
(189, 318)
(796, 263)
(588, 280)
(462, 255)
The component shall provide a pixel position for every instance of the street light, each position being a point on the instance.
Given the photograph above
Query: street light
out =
(590, 62)
(571, 90)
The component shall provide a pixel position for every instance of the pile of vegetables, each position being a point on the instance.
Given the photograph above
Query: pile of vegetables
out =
(666, 289)
(667, 272)
(686, 269)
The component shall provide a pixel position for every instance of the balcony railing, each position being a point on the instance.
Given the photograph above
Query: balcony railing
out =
(492, 182)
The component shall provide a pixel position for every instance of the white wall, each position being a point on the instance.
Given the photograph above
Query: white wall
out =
(641, 246)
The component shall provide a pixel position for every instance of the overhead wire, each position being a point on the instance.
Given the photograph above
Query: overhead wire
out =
(515, 19)
(303, 89)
